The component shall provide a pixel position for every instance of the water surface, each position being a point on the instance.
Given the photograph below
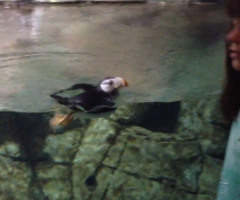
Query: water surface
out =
(167, 53)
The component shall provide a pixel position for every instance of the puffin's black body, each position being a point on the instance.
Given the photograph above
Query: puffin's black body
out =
(91, 100)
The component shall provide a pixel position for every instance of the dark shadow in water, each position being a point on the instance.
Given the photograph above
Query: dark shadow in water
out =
(161, 117)
(27, 129)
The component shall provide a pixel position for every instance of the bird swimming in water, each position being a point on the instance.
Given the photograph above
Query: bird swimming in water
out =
(94, 99)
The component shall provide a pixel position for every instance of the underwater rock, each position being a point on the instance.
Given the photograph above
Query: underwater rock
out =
(130, 186)
(54, 181)
(63, 147)
(10, 149)
(160, 157)
(201, 119)
(99, 136)
(14, 179)
(102, 180)
(210, 176)
(130, 114)
(115, 158)
(134, 151)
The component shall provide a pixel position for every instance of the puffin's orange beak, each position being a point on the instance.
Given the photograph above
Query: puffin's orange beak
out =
(120, 83)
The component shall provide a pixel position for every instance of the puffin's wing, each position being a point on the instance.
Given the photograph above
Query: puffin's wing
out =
(83, 86)
(105, 106)
(72, 103)
(62, 100)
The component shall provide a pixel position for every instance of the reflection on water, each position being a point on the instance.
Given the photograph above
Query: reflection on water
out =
(165, 52)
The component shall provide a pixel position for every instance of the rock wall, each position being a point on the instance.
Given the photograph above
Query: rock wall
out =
(142, 151)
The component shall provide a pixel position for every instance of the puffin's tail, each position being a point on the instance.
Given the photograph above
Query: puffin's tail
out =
(62, 100)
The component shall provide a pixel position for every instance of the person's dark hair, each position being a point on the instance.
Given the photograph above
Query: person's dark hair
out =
(233, 8)
(230, 101)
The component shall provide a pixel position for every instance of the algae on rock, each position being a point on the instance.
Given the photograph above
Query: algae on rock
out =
(117, 157)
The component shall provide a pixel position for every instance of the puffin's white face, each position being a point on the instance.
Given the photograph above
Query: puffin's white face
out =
(108, 85)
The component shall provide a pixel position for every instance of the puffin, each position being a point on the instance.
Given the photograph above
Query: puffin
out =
(91, 99)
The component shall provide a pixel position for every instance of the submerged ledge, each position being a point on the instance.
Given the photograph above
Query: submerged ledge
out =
(94, 158)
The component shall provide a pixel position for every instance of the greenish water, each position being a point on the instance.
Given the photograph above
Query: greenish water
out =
(166, 53)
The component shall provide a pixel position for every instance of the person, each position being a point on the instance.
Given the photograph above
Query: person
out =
(229, 186)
